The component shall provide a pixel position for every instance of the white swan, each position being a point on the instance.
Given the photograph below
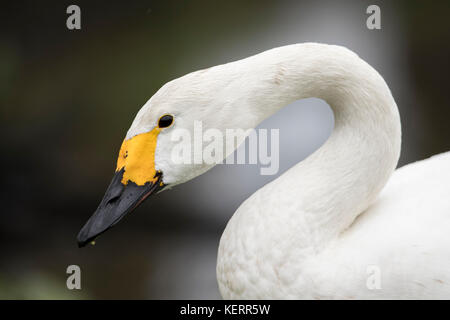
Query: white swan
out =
(322, 230)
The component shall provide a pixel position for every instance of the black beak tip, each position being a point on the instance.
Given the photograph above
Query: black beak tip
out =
(81, 243)
(118, 201)
(83, 239)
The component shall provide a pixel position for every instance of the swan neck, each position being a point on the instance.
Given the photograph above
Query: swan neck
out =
(343, 177)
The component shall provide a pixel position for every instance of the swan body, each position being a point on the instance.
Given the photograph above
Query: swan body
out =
(404, 235)
(330, 224)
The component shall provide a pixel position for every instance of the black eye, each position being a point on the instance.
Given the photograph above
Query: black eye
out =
(165, 121)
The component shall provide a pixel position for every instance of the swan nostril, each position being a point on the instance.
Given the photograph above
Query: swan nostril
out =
(113, 199)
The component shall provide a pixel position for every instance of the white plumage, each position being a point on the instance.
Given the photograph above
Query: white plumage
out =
(317, 231)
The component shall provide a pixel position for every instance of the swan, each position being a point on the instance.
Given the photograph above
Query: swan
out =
(341, 224)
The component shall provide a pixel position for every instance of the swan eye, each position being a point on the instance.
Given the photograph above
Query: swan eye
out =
(165, 121)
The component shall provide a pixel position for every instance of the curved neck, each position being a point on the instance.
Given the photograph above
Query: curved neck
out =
(329, 189)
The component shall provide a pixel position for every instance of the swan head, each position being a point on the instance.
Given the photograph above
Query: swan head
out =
(149, 158)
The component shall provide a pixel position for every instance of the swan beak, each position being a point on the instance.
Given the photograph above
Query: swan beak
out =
(134, 180)
(118, 201)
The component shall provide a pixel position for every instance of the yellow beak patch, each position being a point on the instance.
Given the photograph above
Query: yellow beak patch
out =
(137, 158)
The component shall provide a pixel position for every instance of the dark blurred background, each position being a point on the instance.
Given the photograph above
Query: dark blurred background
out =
(68, 98)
